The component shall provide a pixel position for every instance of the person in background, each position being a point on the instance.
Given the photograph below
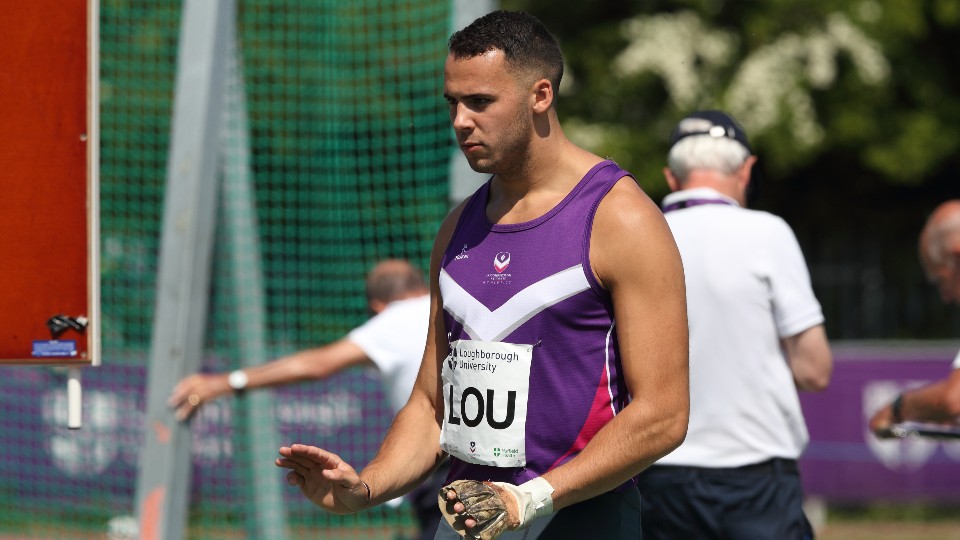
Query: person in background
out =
(937, 402)
(391, 341)
(556, 363)
(756, 338)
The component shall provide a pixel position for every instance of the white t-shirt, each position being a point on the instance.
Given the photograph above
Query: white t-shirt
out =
(956, 361)
(394, 339)
(747, 287)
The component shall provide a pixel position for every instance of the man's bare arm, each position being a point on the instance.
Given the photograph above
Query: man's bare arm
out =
(810, 359)
(310, 364)
(634, 256)
(411, 448)
(936, 402)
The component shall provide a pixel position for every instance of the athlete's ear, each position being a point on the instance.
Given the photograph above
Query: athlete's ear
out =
(542, 96)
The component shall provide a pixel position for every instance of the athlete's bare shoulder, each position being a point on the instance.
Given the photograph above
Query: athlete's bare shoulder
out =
(627, 209)
(629, 230)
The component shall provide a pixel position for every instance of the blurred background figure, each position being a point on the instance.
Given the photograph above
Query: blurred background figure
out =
(939, 250)
(391, 342)
(756, 337)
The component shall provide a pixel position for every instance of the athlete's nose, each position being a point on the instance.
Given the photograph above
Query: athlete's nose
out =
(460, 117)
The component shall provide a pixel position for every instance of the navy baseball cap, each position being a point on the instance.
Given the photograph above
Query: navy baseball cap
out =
(711, 122)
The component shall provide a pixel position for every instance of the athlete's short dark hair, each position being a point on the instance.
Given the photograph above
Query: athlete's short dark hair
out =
(525, 41)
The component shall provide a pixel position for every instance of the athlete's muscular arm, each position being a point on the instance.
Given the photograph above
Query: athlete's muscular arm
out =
(634, 256)
(411, 449)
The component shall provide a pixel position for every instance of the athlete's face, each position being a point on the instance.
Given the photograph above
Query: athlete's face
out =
(489, 110)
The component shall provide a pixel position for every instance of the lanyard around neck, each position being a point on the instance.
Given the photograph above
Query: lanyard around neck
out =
(680, 205)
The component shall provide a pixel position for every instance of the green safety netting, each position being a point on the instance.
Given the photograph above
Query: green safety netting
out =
(349, 146)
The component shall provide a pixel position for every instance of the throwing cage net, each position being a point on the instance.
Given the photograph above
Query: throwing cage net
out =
(349, 149)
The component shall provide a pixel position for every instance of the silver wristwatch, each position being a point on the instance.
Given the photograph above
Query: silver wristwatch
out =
(238, 380)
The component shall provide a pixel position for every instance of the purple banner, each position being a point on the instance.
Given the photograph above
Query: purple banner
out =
(844, 461)
(40, 458)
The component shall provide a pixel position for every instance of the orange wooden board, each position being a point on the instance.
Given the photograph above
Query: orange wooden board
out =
(46, 179)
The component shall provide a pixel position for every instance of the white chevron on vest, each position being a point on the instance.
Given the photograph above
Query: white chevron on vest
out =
(486, 325)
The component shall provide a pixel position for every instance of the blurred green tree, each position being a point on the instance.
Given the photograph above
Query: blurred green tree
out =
(874, 79)
(853, 108)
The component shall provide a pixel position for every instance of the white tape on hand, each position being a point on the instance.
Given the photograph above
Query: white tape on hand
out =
(534, 499)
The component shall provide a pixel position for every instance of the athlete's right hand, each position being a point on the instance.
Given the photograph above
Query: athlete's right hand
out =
(479, 510)
(324, 478)
(195, 390)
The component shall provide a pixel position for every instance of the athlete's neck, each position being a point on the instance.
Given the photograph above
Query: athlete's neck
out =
(530, 192)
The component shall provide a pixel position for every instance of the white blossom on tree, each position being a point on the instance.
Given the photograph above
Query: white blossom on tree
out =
(771, 85)
(678, 47)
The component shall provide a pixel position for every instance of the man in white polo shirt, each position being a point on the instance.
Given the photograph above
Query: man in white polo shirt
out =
(756, 337)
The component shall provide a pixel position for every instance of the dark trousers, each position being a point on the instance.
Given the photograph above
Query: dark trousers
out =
(755, 502)
(611, 516)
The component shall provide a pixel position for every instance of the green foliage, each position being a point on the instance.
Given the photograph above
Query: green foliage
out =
(852, 107)
(804, 77)
(922, 138)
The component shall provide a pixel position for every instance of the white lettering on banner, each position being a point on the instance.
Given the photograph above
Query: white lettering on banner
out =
(86, 452)
(952, 451)
(113, 426)
(486, 385)
(325, 414)
(905, 454)
(210, 438)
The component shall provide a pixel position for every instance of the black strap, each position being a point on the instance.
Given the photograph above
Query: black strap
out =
(680, 205)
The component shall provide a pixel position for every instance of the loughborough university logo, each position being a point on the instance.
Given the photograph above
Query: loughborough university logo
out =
(452, 358)
(501, 261)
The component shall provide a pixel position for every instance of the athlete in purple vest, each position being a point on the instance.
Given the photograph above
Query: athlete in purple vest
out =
(555, 368)
(528, 283)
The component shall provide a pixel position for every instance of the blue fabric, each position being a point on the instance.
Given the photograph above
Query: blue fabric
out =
(742, 503)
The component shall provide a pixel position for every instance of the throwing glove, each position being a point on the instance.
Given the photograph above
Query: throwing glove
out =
(484, 504)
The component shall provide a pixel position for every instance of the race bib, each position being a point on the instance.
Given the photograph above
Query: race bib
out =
(485, 388)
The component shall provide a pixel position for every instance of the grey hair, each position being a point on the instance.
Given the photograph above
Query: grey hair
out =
(705, 152)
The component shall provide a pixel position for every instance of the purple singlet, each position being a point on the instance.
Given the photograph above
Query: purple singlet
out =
(531, 284)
